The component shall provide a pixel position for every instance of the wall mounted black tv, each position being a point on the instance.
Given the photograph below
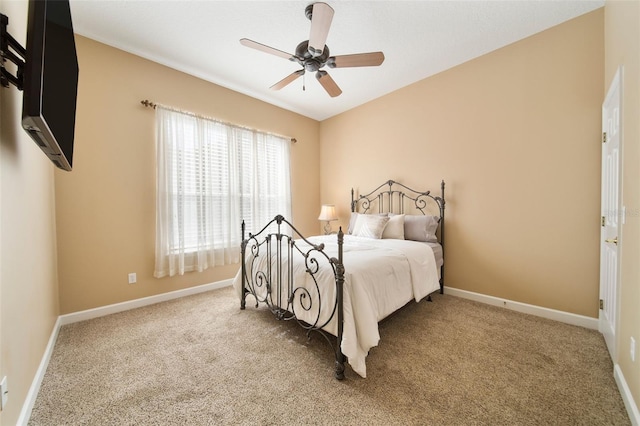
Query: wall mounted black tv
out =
(51, 80)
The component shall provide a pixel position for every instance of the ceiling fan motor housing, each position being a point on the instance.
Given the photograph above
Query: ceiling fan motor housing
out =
(309, 62)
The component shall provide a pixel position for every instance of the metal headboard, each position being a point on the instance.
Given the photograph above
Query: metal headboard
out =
(393, 197)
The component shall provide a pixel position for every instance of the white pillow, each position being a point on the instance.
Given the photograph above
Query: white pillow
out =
(352, 222)
(354, 217)
(395, 228)
(370, 226)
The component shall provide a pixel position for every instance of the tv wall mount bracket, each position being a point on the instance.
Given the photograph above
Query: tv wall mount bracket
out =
(9, 45)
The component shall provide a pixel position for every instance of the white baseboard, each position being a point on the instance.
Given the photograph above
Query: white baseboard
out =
(566, 317)
(30, 400)
(32, 394)
(138, 303)
(625, 392)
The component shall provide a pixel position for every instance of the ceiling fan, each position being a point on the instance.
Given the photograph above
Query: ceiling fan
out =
(313, 54)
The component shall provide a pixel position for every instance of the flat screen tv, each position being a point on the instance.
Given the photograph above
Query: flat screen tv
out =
(51, 80)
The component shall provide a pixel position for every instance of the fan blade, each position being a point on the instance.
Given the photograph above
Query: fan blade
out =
(372, 59)
(264, 48)
(320, 23)
(288, 79)
(329, 85)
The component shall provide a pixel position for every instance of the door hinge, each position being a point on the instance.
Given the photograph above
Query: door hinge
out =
(602, 221)
(601, 304)
(604, 137)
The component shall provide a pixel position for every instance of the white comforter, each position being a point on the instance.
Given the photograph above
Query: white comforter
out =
(381, 276)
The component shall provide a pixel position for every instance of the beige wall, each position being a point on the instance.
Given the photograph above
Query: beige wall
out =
(28, 283)
(622, 48)
(105, 207)
(515, 134)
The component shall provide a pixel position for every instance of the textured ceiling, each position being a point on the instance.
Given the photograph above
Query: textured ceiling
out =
(418, 38)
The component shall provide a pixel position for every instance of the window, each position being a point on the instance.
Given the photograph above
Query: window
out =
(210, 177)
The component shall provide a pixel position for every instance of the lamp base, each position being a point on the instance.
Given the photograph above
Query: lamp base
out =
(327, 228)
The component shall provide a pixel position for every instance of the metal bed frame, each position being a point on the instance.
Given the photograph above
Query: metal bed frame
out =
(276, 282)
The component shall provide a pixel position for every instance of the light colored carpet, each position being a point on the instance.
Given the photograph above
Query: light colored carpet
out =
(200, 360)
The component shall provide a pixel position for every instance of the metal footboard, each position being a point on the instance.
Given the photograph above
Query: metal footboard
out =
(270, 260)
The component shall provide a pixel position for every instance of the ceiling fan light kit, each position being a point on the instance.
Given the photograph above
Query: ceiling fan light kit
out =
(313, 54)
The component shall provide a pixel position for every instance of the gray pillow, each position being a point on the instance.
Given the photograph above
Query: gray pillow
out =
(421, 228)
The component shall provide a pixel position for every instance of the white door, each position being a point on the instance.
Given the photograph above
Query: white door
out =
(609, 241)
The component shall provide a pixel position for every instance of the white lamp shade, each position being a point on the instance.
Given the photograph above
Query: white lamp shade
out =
(328, 212)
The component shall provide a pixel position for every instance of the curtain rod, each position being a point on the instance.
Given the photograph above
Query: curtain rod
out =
(147, 103)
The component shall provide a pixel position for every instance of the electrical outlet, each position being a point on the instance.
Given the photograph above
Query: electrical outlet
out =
(4, 390)
(132, 278)
(632, 349)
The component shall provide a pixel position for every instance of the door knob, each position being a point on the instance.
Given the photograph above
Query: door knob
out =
(612, 240)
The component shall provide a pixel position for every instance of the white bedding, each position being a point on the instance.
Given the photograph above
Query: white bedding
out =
(381, 276)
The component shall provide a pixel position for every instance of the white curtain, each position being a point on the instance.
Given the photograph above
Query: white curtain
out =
(210, 177)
